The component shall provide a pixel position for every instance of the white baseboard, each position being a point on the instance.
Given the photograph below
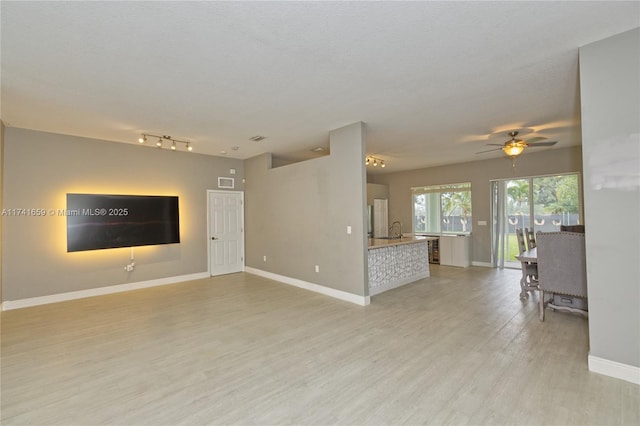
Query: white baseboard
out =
(80, 294)
(614, 369)
(316, 288)
(485, 264)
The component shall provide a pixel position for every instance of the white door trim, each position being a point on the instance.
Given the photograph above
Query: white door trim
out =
(214, 191)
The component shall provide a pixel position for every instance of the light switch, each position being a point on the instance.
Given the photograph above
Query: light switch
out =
(348, 230)
(232, 171)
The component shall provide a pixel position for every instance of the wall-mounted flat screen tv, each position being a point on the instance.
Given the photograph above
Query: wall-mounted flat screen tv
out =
(97, 221)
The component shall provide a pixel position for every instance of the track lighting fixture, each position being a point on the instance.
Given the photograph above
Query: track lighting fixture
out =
(374, 162)
(161, 139)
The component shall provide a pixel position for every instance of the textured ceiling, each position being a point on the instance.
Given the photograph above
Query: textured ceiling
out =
(432, 80)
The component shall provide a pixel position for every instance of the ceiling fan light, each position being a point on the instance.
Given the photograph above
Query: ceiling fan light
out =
(513, 150)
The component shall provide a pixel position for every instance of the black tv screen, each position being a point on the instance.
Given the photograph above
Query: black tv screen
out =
(96, 221)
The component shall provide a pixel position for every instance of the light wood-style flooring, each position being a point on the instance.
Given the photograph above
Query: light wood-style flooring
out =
(457, 348)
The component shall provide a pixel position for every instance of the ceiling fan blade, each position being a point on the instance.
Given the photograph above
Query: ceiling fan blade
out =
(489, 150)
(536, 139)
(551, 143)
(495, 144)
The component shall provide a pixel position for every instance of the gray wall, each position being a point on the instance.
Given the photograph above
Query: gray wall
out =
(1, 197)
(479, 173)
(610, 88)
(40, 168)
(375, 190)
(297, 215)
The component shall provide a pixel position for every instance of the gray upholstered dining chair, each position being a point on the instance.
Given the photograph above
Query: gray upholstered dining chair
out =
(562, 270)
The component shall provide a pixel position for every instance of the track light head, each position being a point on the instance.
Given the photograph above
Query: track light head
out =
(162, 138)
(370, 160)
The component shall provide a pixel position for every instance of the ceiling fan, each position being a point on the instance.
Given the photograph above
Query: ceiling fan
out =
(514, 147)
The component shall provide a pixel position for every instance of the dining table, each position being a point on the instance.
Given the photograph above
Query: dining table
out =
(529, 255)
(529, 281)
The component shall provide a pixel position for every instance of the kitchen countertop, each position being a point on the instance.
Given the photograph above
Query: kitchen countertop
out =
(378, 242)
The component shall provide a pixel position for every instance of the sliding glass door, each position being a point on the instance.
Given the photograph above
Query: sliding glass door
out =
(556, 202)
(511, 209)
(539, 203)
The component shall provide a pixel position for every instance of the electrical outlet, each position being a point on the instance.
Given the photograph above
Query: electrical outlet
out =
(317, 268)
(348, 230)
(264, 258)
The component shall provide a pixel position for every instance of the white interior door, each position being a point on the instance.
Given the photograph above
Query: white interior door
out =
(226, 232)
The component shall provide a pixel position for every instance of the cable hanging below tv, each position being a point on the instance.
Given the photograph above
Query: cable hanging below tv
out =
(103, 221)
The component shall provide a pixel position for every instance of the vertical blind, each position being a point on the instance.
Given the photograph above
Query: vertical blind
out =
(452, 187)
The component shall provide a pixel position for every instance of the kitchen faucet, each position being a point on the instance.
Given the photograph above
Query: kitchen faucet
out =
(394, 224)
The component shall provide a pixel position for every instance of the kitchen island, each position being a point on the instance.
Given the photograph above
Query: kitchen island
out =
(396, 262)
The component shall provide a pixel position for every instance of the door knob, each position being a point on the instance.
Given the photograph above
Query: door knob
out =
(213, 238)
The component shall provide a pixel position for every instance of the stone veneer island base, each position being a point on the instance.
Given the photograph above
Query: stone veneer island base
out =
(394, 263)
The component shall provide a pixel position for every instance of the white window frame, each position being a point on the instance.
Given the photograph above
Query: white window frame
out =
(439, 189)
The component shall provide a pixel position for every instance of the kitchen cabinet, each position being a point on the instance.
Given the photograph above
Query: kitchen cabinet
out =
(455, 250)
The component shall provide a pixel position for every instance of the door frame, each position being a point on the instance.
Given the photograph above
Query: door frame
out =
(497, 246)
(208, 236)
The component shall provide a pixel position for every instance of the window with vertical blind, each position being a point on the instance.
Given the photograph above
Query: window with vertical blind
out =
(442, 209)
